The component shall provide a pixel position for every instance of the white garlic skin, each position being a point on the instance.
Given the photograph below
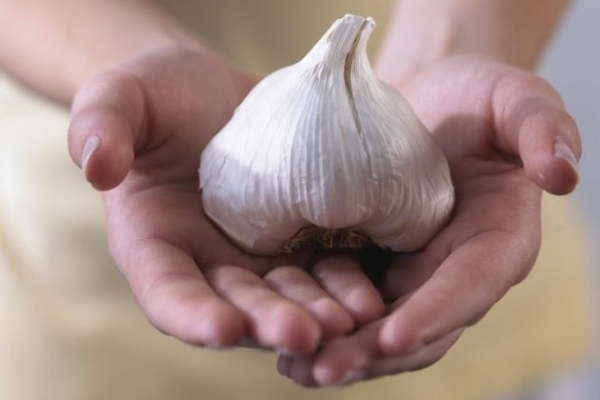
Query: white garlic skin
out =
(324, 142)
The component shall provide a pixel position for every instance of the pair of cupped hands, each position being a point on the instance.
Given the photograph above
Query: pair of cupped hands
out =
(138, 130)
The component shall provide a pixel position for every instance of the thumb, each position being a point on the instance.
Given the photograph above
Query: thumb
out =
(107, 122)
(533, 123)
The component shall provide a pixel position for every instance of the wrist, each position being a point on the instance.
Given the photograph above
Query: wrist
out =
(423, 32)
(113, 53)
(410, 46)
(83, 66)
(53, 46)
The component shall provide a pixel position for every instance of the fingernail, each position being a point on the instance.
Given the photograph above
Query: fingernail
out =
(282, 351)
(563, 151)
(92, 144)
(284, 366)
(352, 376)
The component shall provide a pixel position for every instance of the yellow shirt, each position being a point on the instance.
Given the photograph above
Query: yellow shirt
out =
(70, 329)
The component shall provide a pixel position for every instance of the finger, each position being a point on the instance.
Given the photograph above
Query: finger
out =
(106, 123)
(274, 322)
(531, 121)
(420, 358)
(347, 360)
(300, 371)
(343, 278)
(177, 299)
(298, 286)
(460, 291)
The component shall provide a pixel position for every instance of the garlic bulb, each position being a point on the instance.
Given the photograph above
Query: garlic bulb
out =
(323, 150)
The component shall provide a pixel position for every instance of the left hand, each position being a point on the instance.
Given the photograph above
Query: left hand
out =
(506, 134)
(148, 119)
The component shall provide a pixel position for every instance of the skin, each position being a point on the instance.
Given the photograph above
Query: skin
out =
(144, 108)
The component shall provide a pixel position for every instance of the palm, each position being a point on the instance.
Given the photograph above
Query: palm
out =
(160, 191)
(495, 199)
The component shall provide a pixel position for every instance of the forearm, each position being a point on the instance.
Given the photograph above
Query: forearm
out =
(422, 31)
(55, 45)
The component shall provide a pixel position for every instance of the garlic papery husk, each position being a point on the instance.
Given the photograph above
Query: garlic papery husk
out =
(323, 149)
